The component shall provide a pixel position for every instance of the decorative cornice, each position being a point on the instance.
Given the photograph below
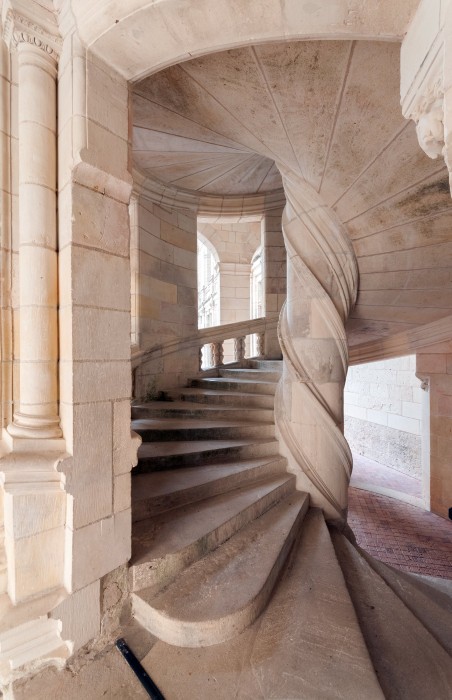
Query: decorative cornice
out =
(206, 205)
(20, 29)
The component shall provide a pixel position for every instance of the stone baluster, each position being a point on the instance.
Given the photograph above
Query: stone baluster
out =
(322, 280)
(37, 414)
(200, 356)
(217, 354)
(260, 344)
(239, 349)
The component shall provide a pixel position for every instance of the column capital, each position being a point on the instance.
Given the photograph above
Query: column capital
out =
(19, 29)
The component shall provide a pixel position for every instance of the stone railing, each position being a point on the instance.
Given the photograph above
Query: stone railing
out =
(207, 345)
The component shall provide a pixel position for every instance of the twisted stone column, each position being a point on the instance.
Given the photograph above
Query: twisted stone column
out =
(322, 280)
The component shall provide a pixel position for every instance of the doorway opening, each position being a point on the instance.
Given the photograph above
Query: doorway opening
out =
(384, 416)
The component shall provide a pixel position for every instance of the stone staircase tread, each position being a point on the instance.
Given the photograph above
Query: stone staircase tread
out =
(172, 531)
(233, 380)
(423, 668)
(186, 423)
(184, 405)
(201, 607)
(306, 644)
(158, 484)
(148, 450)
(221, 392)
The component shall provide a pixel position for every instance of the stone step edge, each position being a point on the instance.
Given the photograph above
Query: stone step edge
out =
(186, 633)
(160, 571)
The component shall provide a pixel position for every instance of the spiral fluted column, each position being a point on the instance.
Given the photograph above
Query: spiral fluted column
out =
(322, 281)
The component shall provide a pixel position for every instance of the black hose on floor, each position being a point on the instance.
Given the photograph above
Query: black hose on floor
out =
(145, 680)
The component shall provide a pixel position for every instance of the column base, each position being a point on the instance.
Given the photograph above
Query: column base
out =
(31, 646)
(35, 427)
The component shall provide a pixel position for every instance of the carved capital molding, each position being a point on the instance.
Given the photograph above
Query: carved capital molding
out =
(19, 29)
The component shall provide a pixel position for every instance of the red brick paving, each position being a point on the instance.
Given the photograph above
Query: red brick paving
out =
(402, 535)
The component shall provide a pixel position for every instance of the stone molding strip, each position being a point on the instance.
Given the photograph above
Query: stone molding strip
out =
(404, 343)
(204, 204)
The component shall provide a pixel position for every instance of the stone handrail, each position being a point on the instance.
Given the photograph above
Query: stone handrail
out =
(214, 336)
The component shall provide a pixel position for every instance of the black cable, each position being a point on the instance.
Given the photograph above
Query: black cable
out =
(145, 680)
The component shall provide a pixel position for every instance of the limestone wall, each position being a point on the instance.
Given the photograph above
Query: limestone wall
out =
(383, 413)
(164, 290)
(435, 365)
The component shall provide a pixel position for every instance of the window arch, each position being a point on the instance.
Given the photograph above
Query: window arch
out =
(208, 284)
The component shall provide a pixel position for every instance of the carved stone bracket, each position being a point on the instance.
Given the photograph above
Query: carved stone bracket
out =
(429, 118)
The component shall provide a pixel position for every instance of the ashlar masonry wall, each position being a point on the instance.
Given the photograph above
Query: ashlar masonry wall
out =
(383, 413)
(164, 291)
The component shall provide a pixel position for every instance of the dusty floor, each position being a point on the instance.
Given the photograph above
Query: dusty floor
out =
(396, 532)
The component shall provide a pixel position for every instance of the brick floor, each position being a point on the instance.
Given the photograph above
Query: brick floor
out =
(400, 534)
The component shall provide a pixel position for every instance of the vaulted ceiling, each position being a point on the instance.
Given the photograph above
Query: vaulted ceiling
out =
(330, 109)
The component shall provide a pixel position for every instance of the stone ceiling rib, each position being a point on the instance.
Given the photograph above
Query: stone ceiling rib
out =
(271, 95)
(409, 187)
(371, 163)
(336, 116)
(264, 147)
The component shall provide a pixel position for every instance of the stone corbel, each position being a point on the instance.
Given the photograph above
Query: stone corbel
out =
(425, 106)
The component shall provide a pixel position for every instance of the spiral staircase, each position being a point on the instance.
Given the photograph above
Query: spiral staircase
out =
(248, 590)
(242, 566)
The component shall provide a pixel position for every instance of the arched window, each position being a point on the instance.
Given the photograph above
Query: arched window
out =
(208, 284)
(256, 285)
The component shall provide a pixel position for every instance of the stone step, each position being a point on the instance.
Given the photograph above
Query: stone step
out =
(274, 365)
(187, 409)
(250, 386)
(307, 644)
(226, 398)
(155, 456)
(159, 491)
(261, 375)
(429, 599)
(171, 429)
(166, 544)
(409, 661)
(219, 596)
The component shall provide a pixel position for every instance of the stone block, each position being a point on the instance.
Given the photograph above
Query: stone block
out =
(80, 616)
(98, 221)
(107, 98)
(100, 334)
(124, 445)
(379, 417)
(90, 479)
(157, 289)
(101, 381)
(100, 547)
(122, 492)
(36, 564)
(107, 152)
(407, 425)
(431, 363)
(31, 513)
(99, 279)
(178, 237)
(148, 223)
(410, 409)
(185, 258)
